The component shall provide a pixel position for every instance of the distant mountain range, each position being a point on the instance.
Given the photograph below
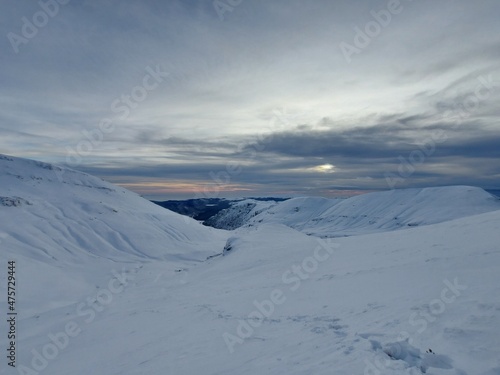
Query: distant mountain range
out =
(367, 213)
(203, 209)
(494, 192)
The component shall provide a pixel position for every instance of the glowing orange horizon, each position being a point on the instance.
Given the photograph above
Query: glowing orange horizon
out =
(153, 188)
(177, 187)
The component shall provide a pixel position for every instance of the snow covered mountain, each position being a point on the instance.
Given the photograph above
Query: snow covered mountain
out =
(367, 213)
(58, 220)
(238, 214)
(109, 283)
(68, 214)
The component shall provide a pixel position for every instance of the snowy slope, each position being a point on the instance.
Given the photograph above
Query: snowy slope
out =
(347, 315)
(57, 220)
(132, 292)
(70, 213)
(375, 212)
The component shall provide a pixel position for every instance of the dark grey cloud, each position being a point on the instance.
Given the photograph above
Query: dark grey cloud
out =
(362, 158)
(269, 67)
(382, 141)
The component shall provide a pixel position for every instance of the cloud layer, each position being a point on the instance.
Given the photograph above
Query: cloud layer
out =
(265, 89)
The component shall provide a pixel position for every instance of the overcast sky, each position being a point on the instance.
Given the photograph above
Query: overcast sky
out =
(255, 97)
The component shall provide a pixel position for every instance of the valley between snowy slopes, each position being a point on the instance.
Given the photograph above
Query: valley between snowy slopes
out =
(110, 283)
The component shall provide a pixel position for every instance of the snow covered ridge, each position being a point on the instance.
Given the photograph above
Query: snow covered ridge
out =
(69, 216)
(238, 214)
(367, 213)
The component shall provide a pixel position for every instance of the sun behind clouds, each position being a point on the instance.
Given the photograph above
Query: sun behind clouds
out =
(325, 168)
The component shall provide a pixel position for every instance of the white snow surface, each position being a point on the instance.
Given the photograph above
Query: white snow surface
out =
(417, 300)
